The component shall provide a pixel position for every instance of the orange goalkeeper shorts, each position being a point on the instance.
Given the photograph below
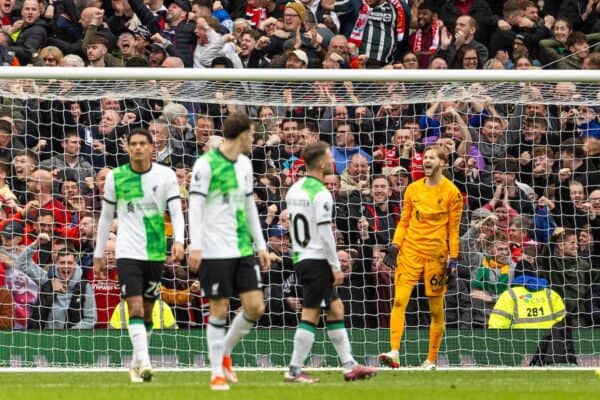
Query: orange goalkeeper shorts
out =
(411, 266)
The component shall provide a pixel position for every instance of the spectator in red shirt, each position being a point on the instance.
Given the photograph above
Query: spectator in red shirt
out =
(518, 233)
(107, 290)
(41, 186)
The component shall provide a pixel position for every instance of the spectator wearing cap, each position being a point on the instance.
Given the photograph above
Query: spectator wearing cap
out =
(278, 242)
(425, 41)
(293, 21)
(160, 50)
(296, 59)
(158, 54)
(181, 30)
(33, 34)
(11, 237)
(464, 34)
(481, 230)
(399, 178)
(586, 120)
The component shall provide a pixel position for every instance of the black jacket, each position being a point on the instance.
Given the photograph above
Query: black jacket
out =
(31, 39)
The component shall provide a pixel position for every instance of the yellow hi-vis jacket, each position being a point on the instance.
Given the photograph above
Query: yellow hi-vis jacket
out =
(520, 308)
(162, 316)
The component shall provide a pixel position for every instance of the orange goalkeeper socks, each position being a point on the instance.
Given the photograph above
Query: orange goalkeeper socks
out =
(437, 327)
(401, 298)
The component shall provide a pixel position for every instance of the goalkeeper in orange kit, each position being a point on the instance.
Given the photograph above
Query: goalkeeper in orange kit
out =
(425, 244)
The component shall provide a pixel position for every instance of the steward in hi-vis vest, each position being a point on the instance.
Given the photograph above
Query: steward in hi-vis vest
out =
(528, 304)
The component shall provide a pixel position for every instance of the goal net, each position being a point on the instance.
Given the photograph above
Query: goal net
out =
(522, 148)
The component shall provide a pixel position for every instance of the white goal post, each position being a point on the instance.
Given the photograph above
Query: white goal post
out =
(488, 121)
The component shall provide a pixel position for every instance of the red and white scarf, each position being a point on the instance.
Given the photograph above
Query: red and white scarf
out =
(255, 15)
(363, 17)
(435, 42)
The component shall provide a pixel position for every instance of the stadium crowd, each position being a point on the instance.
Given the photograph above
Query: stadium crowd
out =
(529, 172)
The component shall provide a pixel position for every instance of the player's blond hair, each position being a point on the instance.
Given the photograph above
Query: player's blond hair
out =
(438, 151)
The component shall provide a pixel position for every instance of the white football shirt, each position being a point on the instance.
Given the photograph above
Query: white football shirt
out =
(309, 204)
(141, 201)
(225, 184)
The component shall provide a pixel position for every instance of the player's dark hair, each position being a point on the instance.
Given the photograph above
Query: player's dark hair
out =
(140, 131)
(313, 153)
(235, 124)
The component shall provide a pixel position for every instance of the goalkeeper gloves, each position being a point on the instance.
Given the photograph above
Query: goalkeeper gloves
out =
(452, 270)
(391, 254)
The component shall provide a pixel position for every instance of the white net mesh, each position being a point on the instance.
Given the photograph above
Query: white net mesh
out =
(523, 154)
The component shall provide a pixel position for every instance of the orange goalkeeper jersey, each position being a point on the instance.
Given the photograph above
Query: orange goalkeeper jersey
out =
(430, 220)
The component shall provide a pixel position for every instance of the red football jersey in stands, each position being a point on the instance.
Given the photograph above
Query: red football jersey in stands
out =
(107, 294)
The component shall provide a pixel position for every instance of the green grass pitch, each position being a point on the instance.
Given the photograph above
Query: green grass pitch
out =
(267, 385)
